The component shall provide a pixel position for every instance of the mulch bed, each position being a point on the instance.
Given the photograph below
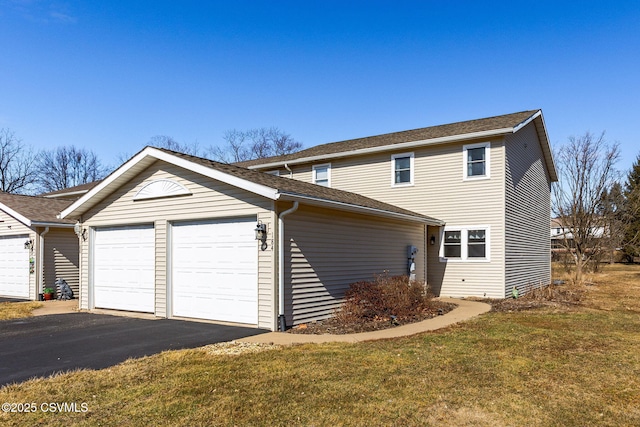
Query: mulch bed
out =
(338, 327)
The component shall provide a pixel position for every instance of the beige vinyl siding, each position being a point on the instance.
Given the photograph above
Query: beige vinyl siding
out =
(61, 258)
(210, 199)
(161, 304)
(12, 227)
(327, 250)
(527, 212)
(438, 191)
(267, 297)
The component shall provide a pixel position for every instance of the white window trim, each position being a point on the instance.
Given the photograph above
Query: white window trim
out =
(323, 165)
(464, 231)
(487, 162)
(411, 170)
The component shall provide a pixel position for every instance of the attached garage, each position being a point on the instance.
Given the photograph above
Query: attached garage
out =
(14, 267)
(200, 256)
(215, 270)
(124, 268)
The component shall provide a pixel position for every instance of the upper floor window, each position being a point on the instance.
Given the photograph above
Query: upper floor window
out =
(402, 169)
(476, 160)
(322, 175)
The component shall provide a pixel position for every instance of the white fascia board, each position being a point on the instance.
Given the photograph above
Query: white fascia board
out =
(71, 193)
(526, 122)
(390, 147)
(356, 208)
(23, 219)
(178, 161)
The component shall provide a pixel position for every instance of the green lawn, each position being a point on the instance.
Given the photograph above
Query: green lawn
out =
(557, 366)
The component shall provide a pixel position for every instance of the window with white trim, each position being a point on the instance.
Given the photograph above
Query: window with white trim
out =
(322, 174)
(402, 167)
(465, 243)
(475, 159)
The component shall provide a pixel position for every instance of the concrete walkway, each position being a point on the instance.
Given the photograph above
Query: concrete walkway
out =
(56, 307)
(466, 310)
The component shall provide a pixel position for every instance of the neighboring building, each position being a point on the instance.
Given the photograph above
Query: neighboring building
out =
(71, 193)
(488, 179)
(562, 237)
(36, 247)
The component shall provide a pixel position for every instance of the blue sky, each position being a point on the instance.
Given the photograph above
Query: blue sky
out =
(109, 75)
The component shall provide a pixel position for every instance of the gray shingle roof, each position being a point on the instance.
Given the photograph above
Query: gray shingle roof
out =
(293, 187)
(432, 132)
(37, 209)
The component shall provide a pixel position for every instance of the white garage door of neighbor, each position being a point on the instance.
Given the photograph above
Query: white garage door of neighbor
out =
(124, 268)
(14, 267)
(215, 270)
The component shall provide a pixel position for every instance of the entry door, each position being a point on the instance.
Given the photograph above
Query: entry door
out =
(215, 270)
(14, 267)
(124, 268)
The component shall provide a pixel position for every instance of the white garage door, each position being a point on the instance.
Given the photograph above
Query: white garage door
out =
(14, 267)
(124, 268)
(215, 270)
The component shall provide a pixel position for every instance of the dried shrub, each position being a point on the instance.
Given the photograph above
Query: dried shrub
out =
(386, 297)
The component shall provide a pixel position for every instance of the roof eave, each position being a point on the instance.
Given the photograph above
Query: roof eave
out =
(144, 158)
(23, 219)
(309, 200)
(389, 147)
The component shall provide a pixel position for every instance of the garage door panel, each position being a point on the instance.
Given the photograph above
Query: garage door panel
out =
(215, 270)
(14, 267)
(124, 268)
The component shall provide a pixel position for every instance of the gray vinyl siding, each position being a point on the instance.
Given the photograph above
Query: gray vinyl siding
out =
(527, 213)
(61, 258)
(210, 199)
(438, 191)
(326, 250)
(12, 227)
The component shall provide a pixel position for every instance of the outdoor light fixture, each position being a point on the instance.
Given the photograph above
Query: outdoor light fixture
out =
(80, 232)
(28, 244)
(432, 240)
(261, 234)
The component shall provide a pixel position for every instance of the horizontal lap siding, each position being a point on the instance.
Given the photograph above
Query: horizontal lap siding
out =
(210, 199)
(438, 191)
(528, 251)
(328, 250)
(61, 258)
(12, 227)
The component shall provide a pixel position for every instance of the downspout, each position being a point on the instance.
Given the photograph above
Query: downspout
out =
(286, 166)
(282, 325)
(41, 261)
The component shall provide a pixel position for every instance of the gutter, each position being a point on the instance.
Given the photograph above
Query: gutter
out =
(282, 325)
(389, 147)
(41, 261)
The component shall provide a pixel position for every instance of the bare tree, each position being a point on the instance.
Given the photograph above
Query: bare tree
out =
(164, 141)
(586, 170)
(17, 164)
(68, 166)
(257, 143)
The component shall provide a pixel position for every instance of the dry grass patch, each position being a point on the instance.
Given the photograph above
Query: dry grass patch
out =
(17, 310)
(536, 368)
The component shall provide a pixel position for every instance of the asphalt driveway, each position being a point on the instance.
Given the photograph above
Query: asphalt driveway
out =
(40, 346)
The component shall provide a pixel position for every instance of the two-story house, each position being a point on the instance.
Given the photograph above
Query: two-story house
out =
(489, 180)
(462, 207)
